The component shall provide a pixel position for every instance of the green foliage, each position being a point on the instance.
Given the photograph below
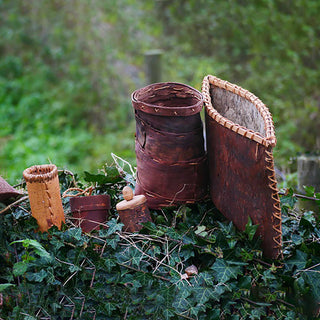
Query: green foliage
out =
(64, 81)
(111, 274)
(268, 47)
(67, 69)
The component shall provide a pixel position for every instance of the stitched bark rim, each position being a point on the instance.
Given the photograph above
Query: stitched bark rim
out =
(184, 99)
(40, 173)
(268, 140)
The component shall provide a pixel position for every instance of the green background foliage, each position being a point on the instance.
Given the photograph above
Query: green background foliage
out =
(67, 69)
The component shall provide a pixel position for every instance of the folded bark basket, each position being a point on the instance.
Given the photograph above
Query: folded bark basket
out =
(240, 138)
(171, 160)
(44, 195)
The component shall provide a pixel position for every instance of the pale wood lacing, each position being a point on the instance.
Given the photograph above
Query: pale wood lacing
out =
(276, 200)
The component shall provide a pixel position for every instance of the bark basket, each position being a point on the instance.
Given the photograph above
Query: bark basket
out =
(44, 195)
(90, 211)
(240, 139)
(171, 160)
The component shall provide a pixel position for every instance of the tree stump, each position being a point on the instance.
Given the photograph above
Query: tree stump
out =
(309, 175)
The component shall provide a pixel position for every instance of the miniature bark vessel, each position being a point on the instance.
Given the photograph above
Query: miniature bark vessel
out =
(44, 195)
(7, 191)
(133, 210)
(90, 211)
(240, 138)
(171, 160)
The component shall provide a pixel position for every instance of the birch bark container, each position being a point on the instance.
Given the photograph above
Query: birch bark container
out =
(240, 140)
(171, 159)
(44, 195)
(90, 211)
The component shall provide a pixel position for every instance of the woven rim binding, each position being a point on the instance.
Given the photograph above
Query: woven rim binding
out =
(269, 140)
(40, 173)
(168, 111)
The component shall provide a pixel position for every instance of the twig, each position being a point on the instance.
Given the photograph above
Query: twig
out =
(116, 158)
(68, 172)
(262, 262)
(13, 204)
(70, 278)
(87, 192)
(68, 263)
(286, 303)
(183, 316)
(147, 255)
(309, 269)
(138, 270)
(299, 196)
(175, 196)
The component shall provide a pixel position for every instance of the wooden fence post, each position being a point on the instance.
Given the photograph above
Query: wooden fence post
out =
(153, 67)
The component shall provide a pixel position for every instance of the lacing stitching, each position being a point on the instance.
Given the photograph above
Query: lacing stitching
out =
(270, 140)
(275, 197)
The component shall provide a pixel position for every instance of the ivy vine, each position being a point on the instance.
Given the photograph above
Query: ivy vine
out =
(111, 274)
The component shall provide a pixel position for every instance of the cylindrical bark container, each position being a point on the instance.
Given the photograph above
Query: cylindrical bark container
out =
(90, 211)
(44, 195)
(171, 159)
(133, 211)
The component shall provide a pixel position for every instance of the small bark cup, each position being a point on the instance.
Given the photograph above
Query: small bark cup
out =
(171, 160)
(133, 210)
(240, 138)
(90, 211)
(44, 195)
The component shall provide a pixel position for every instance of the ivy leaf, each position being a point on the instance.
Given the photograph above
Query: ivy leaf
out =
(114, 226)
(309, 191)
(223, 272)
(205, 277)
(153, 229)
(312, 278)
(37, 247)
(195, 310)
(307, 220)
(4, 286)
(73, 234)
(38, 276)
(201, 231)
(258, 313)
(109, 263)
(226, 228)
(113, 242)
(74, 268)
(181, 304)
(298, 261)
(111, 176)
(109, 308)
(168, 313)
(19, 268)
(288, 200)
(204, 294)
(250, 229)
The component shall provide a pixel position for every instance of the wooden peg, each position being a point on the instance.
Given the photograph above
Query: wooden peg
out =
(133, 210)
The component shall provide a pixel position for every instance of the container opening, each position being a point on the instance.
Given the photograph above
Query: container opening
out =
(237, 109)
